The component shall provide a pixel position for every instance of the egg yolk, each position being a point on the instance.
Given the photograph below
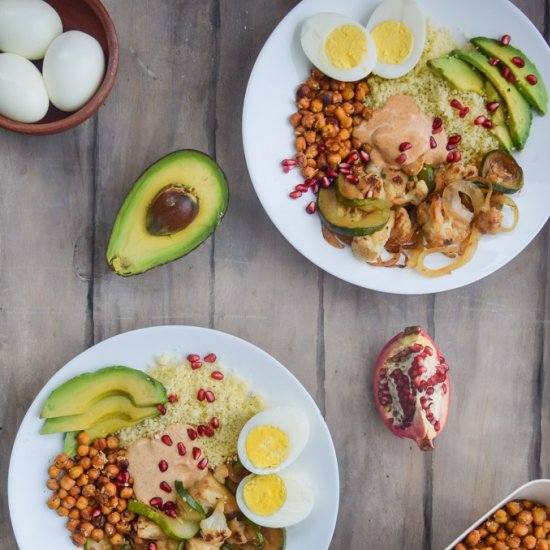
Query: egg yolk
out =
(345, 46)
(264, 495)
(267, 446)
(394, 41)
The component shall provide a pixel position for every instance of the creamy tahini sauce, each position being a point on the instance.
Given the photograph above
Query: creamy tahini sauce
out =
(145, 454)
(399, 121)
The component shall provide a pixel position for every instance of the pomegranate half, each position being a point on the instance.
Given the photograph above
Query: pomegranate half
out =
(411, 387)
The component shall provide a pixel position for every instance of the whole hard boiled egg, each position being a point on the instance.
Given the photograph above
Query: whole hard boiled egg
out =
(398, 27)
(73, 70)
(272, 439)
(28, 27)
(274, 500)
(338, 46)
(23, 96)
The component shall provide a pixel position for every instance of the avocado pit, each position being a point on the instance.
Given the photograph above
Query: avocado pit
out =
(173, 209)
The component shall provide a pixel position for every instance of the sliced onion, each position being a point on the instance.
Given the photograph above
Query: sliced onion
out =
(452, 203)
(505, 199)
(391, 262)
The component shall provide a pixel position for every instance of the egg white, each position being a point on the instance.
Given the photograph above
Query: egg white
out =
(291, 421)
(410, 13)
(297, 506)
(314, 33)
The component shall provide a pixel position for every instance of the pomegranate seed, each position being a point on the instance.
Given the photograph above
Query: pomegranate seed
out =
(311, 207)
(196, 365)
(302, 189)
(365, 157)
(123, 464)
(455, 104)
(201, 430)
(196, 453)
(325, 182)
(487, 124)
(315, 189)
(210, 358)
(165, 487)
(433, 143)
(182, 451)
(321, 148)
(163, 466)
(156, 502)
(451, 146)
(214, 422)
(401, 159)
(201, 395)
(208, 431)
(288, 162)
(169, 505)
(405, 146)
(203, 463)
(345, 171)
(532, 79)
(310, 182)
(352, 179)
(455, 139)
(286, 169)
(210, 397)
(96, 512)
(505, 40)
(464, 112)
(344, 165)
(505, 72)
(428, 350)
(511, 78)
(192, 434)
(437, 426)
(352, 158)
(437, 123)
(417, 347)
(295, 195)
(518, 62)
(173, 398)
(171, 513)
(152, 546)
(454, 156)
(444, 388)
(331, 173)
(167, 440)
(494, 61)
(123, 477)
(161, 408)
(193, 357)
(480, 120)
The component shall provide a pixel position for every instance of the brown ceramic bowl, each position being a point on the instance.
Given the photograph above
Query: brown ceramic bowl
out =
(91, 17)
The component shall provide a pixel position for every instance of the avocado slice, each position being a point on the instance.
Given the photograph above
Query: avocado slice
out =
(536, 95)
(458, 73)
(110, 407)
(499, 117)
(79, 393)
(174, 206)
(519, 112)
(175, 528)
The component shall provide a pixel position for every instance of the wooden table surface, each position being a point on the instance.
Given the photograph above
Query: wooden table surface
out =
(183, 71)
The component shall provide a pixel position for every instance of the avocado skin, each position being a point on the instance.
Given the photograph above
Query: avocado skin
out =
(536, 95)
(77, 394)
(114, 254)
(458, 73)
(519, 111)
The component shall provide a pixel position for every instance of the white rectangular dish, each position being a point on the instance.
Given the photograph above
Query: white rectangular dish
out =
(537, 491)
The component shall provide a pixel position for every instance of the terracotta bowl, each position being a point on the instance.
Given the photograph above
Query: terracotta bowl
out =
(89, 16)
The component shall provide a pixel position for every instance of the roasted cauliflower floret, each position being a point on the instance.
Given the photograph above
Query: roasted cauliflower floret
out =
(438, 228)
(489, 220)
(403, 232)
(221, 472)
(214, 528)
(370, 248)
(200, 544)
(453, 172)
(238, 532)
(402, 190)
(208, 492)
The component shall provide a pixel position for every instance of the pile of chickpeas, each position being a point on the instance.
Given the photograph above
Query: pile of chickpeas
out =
(520, 524)
(92, 491)
(328, 110)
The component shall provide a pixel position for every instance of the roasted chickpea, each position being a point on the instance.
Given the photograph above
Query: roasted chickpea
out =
(109, 529)
(542, 545)
(525, 517)
(520, 529)
(111, 470)
(85, 462)
(473, 538)
(501, 516)
(97, 535)
(72, 524)
(61, 460)
(529, 542)
(81, 503)
(52, 484)
(54, 502)
(514, 508)
(74, 491)
(69, 502)
(75, 472)
(62, 511)
(78, 539)
(54, 471)
(126, 493)
(83, 438)
(67, 483)
(539, 515)
(74, 513)
(83, 450)
(117, 540)
(513, 541)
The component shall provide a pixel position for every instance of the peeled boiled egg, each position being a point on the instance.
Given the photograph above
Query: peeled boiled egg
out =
(23, 95)
(338, 46)
(28, 27)
(273, 439)
(398, 28)
(274, 500)
(73, 69)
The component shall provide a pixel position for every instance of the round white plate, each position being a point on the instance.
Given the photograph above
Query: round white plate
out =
(32, 453)
(268, 138)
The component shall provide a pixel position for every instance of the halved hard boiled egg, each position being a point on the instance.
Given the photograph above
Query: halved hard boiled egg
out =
(272, 439)
(274, 500)
(398, 27)
(338, 46)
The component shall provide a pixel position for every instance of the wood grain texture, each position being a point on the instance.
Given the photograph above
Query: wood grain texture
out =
(183, 74)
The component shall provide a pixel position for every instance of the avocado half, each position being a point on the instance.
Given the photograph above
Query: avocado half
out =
(174, 206)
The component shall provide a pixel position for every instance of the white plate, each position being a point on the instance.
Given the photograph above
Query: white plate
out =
(537, 491)
(268, 138)
(32, 453)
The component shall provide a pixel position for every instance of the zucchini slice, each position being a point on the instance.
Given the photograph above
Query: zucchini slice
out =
(501, 170)
(357, 221)
(355, 203)
(427, 174)
(188, 508)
